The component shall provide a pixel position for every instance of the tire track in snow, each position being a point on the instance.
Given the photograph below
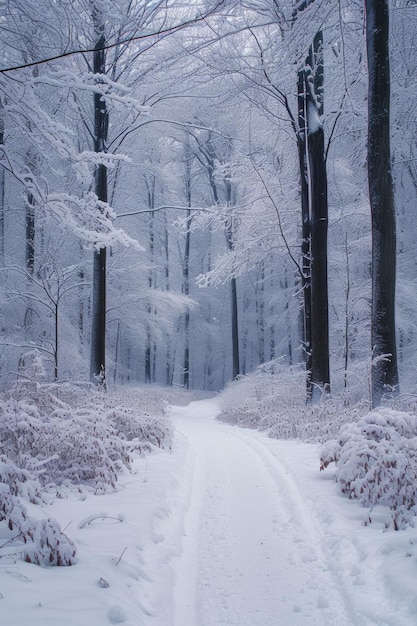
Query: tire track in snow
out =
(250, 553)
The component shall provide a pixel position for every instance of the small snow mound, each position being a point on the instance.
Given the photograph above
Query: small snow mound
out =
(117, 615)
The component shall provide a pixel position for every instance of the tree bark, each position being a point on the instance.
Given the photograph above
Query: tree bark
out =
(381, 196)
(306, 229)
(98, 334)
(314, 206)
(2, 191)
(320, 369)
(233, 290)
(235, 330)
(186, 272)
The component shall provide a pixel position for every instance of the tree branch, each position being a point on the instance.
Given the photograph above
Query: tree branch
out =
(128, 40)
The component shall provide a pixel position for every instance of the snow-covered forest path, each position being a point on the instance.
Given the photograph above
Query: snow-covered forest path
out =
(251, 553)
(226, 528)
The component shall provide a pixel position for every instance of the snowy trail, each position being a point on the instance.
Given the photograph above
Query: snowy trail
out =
(251, 552)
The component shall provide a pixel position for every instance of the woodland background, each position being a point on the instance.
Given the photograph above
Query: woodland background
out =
(168, 143)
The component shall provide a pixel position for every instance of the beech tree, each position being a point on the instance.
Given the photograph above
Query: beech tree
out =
(314, 210)
(381, 195)
(101, 124)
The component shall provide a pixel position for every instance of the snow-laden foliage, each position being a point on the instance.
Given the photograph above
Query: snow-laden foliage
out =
(20, 482)
(273, 399)
(62, 443)
(137, 426)
(55, 436)
(37, 541)
(81, 437)
(376, 461)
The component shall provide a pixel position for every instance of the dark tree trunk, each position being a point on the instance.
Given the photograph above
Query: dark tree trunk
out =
(381, 195)
(186, 272)
(186, 287)
(30, 220)
(320, 370)
(208, 362)
(306, 228)
(56, 312)
(149, 346)
(168, 375)
(30, 234)
(81, 305)
(233, 291)
(315, 221)
(235, 330)
(98, 334)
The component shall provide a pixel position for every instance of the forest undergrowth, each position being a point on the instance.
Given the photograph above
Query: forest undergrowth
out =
(57, 439)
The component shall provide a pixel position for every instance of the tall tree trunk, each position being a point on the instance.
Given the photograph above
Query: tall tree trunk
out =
(314, 170)
(98, 333)
(168, 376)
(81, 304)
(149, 346)
(287, 316)
(56, 344)
(347, 319)
(30, 220)
(186, 364)
(260, 312)
(210, 162)
(186, 272)
(244, 333)
(235, 329)
(381, 195)
(2, 191)
(306, 229)
(233, 289)
(208, 362)
(320, 368)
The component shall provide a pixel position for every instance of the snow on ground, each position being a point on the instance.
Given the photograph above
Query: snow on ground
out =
(230, 528)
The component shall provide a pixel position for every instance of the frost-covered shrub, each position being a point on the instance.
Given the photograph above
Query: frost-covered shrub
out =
(19, 481)
(376, 461)
(82, 436)
(88, 450)
(50, 545)
(144, 423)
(142, 431)
(14, 513)
(38, 541)
(57, 442)
(61, 434)
(273, 398)
(253, 399)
